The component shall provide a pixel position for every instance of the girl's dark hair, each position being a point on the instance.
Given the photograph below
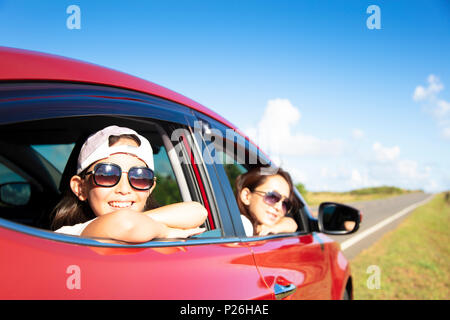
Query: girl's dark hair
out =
(70, 210)
(256, 177)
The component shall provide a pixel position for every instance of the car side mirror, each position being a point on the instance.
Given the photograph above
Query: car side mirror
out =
(338, 219)
(15, 193)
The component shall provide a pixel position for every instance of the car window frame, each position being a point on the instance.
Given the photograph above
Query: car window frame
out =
(226, 188)
(212, 179)
(192, 165)
(178, 114)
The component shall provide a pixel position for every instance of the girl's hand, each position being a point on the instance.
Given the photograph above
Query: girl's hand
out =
(286, 224)
(182, 215)
(182, 233)
(264, 230)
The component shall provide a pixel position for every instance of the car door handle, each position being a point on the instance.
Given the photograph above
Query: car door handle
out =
(282, 291)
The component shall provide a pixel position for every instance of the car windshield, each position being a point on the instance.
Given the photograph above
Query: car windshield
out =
(7, 175)
(56, 154)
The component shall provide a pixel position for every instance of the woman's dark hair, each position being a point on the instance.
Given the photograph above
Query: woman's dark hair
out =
(256, 177)
(70, 210)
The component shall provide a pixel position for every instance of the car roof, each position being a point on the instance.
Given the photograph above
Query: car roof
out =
(19, 64)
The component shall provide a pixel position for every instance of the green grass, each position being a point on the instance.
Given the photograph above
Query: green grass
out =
(365, 194)
(414, 259)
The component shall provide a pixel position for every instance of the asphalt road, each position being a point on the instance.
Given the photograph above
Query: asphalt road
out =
(379, 216)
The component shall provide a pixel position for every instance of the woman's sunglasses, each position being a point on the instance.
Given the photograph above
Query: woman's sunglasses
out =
(272, 197)
(109, 174)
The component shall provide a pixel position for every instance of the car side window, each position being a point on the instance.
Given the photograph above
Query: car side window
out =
(7, 175)
(44, 142)
(54, 158)
(14, 189)
(167, 190)
(15, 193)
(237, 156)
(232, 169)
(56, 154)
(38, 151)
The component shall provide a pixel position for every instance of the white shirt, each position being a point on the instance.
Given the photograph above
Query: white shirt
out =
(248, 227)
(74, 230)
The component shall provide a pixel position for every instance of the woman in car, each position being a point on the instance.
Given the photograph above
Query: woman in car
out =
(264, 198)
(109, 197)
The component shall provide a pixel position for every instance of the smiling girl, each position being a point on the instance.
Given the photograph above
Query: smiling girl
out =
(264, 200)
(109, 197)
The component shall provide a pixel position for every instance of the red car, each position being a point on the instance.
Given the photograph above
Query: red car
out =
(50, 104)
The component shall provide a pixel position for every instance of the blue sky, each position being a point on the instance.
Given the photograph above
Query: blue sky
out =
(354, 106)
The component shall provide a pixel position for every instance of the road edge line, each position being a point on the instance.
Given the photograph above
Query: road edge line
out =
(350, 242)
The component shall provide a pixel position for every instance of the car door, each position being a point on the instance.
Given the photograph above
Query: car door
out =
(37, 263)
(293, 266)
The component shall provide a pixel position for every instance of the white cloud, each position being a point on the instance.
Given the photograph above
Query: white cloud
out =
(390, 167)
(340, 177)
(359, 179)
(408, 169)
(322, 164)
(297, 175)
(446, 133)
(434, 87)
(324, 172)
(358, 134)
(275, 133)
(384, 154)
(383, 166)
(442, 109)
(439, 109)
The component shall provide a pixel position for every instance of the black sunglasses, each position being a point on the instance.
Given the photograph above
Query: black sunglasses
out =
(109, 174)
(273, 197)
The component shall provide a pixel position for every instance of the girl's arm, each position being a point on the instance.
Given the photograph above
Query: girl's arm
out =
(183, 215)
(131, 226)
(286, 224)
(125, 225)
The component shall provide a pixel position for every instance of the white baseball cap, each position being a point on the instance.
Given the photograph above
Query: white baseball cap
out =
(97, 147)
